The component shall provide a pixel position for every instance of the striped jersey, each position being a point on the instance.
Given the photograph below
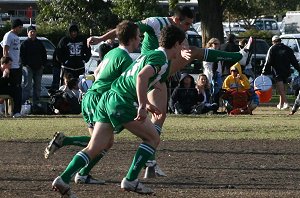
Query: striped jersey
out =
(151, 28)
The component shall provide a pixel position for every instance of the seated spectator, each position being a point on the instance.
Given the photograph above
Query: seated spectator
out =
(4, 81)
(236, 87)
(203, 99)
(184, 96)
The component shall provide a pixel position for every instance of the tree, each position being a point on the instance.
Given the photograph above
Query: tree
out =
(136, 9)
(211, 16)
(89, 14)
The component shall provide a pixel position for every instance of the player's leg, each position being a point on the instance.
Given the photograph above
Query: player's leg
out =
(100, 139)
(158, 97)
(147, 132)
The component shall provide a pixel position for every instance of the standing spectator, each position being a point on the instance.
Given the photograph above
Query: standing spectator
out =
(33, 57)
(11, 48)
(247, 68)
(56, 71)
(184, 96)
(229, 46)
(73, 53)
(213, 71)
(279, 59)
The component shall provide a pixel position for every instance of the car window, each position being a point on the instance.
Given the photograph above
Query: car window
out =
(49, 46)
(261, 47)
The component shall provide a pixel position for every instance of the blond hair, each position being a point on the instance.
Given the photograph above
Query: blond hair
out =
(211, 42)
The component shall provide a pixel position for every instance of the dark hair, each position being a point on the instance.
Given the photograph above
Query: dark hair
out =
(72, 83)
(243, 42)
(31, 28)
(104, 48)
(125, 31)
(170, 35)
(5, 60)
(183, 12)
(16, 23)
(231, 38)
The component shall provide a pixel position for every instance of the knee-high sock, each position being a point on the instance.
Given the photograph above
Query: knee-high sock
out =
(79, 161)
(141, 157)
(158, 129)
(82, 141)
(211, 55)
(86, 170)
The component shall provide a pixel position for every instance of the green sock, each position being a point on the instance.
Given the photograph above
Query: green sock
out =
(142, 155)
(79, 161)
(82, 141)
(86, 170)
(218, 55)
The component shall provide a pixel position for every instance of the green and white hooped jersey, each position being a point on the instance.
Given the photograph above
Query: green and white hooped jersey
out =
(114, 63)
(151, 28)
(125, 85)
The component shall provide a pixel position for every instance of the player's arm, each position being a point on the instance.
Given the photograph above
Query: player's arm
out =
(94, 40)
(141, 88)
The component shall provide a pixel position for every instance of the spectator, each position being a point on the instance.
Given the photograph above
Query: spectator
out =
(56, 71)
(213, 71)
(247, 67)
(279, 59)
(203, 103)
(33, 57)
(73, 53)
(4, 82)
(184, 97)
(229, 46)
(11, 48)
(236, 87)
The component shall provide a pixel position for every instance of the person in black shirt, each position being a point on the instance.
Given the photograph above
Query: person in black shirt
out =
(278, 61)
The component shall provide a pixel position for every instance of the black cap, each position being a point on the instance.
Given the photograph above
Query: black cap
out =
(31, 28)
(16, 23)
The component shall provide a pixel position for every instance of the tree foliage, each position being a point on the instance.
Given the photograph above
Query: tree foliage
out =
(136, 9)
(92, 14)
(213, 12)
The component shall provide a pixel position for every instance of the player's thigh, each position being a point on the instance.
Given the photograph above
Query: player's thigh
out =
(159, 97)
(144, 130)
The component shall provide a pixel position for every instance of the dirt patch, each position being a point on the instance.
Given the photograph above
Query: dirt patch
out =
(195, 169)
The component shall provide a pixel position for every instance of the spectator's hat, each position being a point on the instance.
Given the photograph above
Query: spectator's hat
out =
(275, 38)
(31, 28)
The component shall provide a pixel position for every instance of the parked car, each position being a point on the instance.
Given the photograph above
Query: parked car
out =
(259, 54)
(266, 25)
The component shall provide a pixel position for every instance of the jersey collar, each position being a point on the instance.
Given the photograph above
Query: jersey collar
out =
(164, 51)
(123, 48)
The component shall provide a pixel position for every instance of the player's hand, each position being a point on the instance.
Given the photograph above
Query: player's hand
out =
(186, 54)
(141, 114)
(93, 41)
(154, 110)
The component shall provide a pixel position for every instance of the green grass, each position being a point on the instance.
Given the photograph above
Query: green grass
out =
(266, 123)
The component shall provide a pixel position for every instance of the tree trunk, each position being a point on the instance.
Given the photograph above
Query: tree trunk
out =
(211, 16)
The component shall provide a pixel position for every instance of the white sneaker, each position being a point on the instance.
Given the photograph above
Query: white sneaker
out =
(87, 179)
(17, 115)
(152, 170)
(63, 188)
(285, 106)
(54, 144)
(278, 106)
(135, 186)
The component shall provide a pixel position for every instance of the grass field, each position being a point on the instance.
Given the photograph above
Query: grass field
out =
(266, 123)
(204, 156)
